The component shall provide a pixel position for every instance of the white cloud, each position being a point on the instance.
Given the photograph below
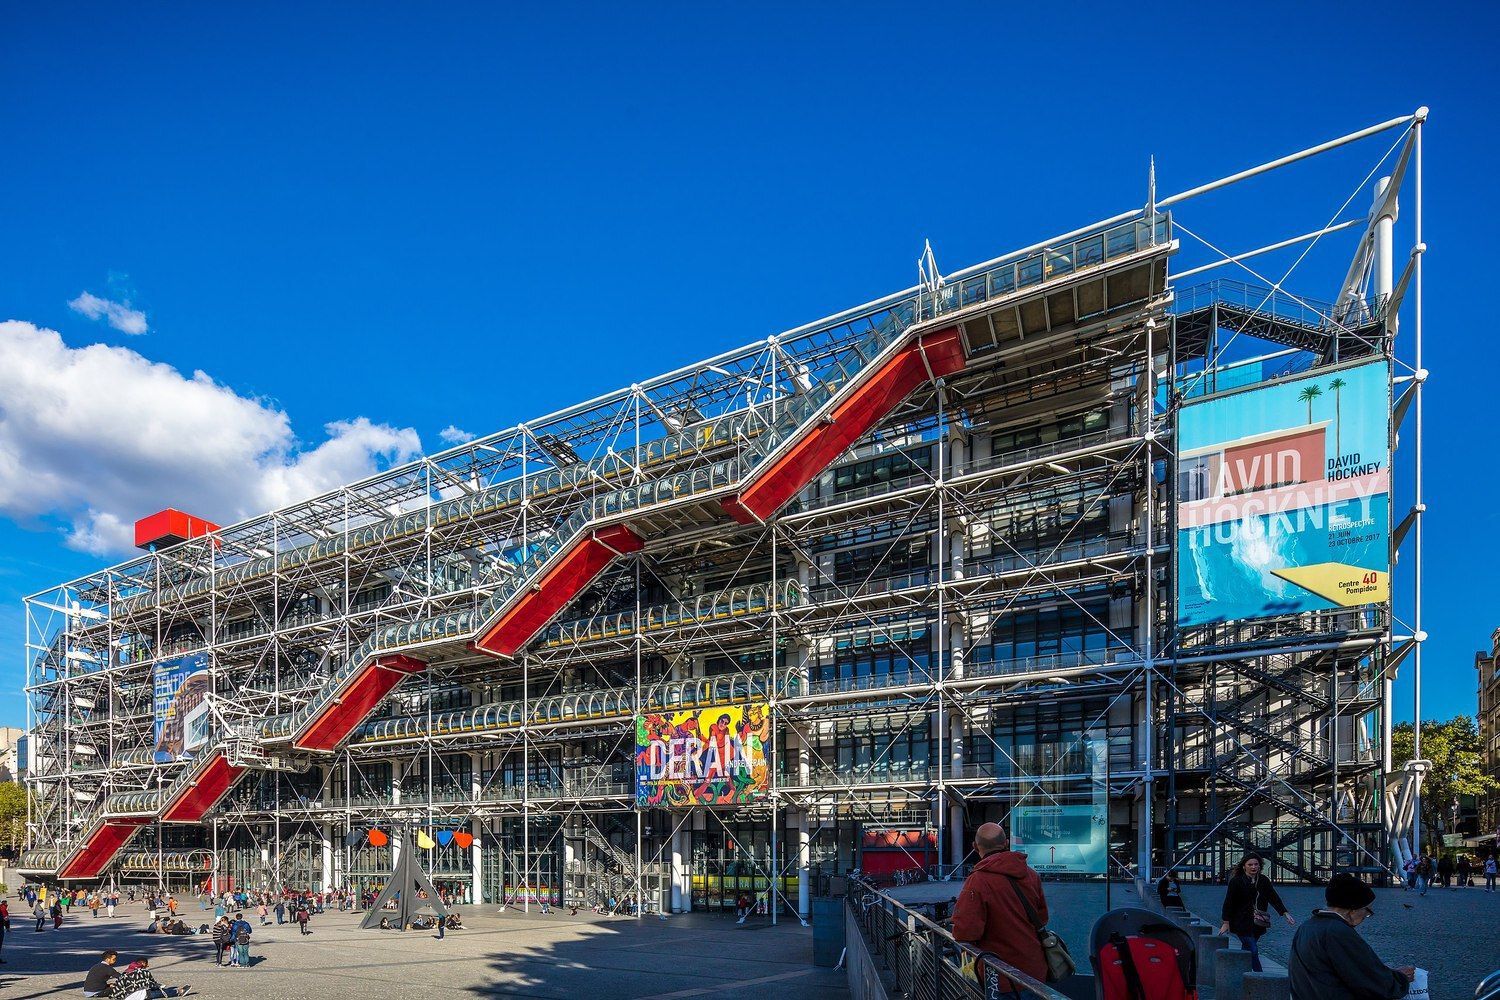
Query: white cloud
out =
(453, 435)
(98, 436)
(117, 314)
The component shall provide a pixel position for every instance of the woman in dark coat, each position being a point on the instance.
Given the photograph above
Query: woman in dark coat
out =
(1250, 893)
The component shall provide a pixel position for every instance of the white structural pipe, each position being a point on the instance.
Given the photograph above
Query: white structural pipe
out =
(1421, 378)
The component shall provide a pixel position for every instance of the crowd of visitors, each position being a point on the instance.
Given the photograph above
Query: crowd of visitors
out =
(1449, 871)
(229, 930)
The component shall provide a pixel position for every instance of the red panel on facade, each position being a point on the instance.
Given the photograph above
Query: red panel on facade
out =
(212, 785)
(575, 569)
(360, 696)
(168, 527)
(852, 419)
(102, 846)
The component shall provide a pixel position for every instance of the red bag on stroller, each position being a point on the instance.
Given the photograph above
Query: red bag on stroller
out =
(1140, 955)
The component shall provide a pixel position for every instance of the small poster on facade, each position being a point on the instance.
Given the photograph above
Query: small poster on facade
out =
(180, 706)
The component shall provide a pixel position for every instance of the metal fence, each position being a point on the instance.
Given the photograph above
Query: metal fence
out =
(922, 957)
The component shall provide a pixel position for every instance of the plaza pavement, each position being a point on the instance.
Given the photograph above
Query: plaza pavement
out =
(1453, 934)
(501, 955)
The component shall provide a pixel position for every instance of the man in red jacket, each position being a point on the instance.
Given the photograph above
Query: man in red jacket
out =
(990, 914)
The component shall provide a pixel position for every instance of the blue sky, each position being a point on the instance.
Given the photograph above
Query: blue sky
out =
(345, 230)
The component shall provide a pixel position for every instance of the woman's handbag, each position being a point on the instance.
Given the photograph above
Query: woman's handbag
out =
(1259, 915)
(1060, 964)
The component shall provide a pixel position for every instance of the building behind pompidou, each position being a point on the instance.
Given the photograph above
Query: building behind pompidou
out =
(949, 546)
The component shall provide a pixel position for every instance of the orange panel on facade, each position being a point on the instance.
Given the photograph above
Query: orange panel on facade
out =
(212, 785)
(575, 569)
(932, 355)
(103, 844)
(358, 699)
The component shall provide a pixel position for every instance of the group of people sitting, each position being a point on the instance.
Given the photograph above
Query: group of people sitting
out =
(135, 983)
(421, 922)
(171, 925)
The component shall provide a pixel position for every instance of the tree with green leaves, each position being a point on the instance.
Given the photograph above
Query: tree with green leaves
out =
(1337, 385)
(1307, 396)
(13, 800)
(1454, 749)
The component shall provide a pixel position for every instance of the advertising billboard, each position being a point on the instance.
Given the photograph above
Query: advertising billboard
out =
(1062, 838)
(703, 757)
(1062, 821)
(1283, 497)
(180, 705)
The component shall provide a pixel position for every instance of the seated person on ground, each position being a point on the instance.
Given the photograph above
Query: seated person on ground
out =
(137, 981)
(454, 923)
(102, 975)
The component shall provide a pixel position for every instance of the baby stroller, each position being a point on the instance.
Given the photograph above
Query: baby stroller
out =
(1140, 955)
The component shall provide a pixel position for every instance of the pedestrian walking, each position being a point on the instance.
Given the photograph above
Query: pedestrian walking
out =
(111, 903)
(280, 910)
(1424, 874)
(1330, 961)
(40, 912)
(1445, 871)
(1489, 873)
(57, 914)
(1001, 909)
(94, 905)
(4, 925)
(302, 917)
(263, 913)
(1247, 904)
(1464, 869)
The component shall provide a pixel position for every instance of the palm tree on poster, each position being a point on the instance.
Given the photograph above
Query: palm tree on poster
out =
(1307, 396)
(1338, 445)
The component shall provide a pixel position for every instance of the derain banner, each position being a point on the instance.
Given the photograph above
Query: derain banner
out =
(703, 757)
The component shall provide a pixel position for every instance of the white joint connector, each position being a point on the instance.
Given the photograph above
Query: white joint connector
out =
(1421, 114)
(1421, 375)
(1419, 249)
(1420, 636)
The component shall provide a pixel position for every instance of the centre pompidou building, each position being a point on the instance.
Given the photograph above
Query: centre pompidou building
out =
(940, 559)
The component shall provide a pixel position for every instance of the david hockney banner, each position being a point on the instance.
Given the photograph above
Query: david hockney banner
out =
(180, 706)
(705, 757)
(1283, 497)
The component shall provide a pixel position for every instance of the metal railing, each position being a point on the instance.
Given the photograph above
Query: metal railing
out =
(922, 956)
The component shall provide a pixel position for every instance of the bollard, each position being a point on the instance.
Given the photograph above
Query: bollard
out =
(1267, 986)
(1208, 949)
(1197, 931)
(1230, 966)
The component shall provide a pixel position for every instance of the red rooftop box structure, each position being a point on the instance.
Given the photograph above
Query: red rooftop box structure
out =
(168, 527)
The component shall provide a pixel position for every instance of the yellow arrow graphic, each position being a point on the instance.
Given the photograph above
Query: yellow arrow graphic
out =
(1344, 585)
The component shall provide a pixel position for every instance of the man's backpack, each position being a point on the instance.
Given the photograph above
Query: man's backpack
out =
(243, 936)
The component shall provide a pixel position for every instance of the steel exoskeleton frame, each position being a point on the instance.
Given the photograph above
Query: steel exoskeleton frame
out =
(774, 600)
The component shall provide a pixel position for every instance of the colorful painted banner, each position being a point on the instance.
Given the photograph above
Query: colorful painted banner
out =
(182, 718)
(704, 757)
(1283, 497)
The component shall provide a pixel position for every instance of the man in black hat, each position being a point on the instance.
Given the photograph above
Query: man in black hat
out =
(1330, 961)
